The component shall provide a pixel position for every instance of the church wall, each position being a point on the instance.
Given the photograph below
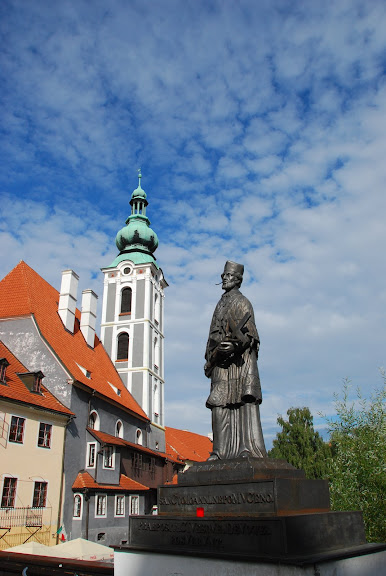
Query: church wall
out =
(161, 318)
(151, 295)
(110, 307)
(140, 299)
(124, 377)
(157, 435)
(108, 340)
(137, 340)
(151, 349)
(137, 386)
(22, 337)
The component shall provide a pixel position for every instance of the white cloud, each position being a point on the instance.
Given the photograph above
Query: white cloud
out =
(260, 129)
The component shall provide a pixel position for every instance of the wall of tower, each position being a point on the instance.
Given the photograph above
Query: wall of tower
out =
(142, 371)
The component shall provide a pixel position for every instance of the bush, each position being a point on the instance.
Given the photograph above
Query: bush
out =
(358, 441)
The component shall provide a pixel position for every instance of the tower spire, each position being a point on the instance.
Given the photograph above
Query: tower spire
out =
(137, 241)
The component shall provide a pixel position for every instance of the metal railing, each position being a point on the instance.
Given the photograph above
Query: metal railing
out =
(27, 516)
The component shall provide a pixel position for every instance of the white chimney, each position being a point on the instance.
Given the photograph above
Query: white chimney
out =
(88, 316)
(67, 298)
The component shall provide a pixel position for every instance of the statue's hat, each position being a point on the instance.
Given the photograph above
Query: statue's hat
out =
(233, 267)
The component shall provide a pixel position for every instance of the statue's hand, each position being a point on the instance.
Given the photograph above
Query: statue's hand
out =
(226, 348)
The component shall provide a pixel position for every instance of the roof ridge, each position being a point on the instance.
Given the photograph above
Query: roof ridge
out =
(23, 266)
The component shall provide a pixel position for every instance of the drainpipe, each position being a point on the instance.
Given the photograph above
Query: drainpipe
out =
(87, 499)
(61, 495)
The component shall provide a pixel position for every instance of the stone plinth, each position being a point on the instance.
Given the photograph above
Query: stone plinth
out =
(255, 509)
(280, 538)
(244, 487)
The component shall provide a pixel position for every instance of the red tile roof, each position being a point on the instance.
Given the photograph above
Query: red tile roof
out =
(188, 445)
(85, 480)
(16, 390)
(23, 292)
(105, 438)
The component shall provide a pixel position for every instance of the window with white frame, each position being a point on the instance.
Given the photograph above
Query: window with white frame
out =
(77, 506)
(134, 505)
(44, 438)
(138, 437)
(119, 505)
(108, 457)
(93, 420)
(119, 429)
(91, 454)
(8, 496)
(101, 505)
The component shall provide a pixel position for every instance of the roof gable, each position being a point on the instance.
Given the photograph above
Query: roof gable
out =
(23, 292)
(15, 390)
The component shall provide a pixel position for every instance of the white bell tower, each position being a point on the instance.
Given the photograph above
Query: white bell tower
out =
(133, 314)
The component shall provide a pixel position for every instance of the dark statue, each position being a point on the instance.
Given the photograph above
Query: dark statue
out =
(231, 363)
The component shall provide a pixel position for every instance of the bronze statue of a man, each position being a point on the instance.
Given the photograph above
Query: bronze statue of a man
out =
(231, 363)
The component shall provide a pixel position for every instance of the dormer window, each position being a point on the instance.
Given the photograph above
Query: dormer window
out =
(3, 369)
(37, 383)
(33, 381)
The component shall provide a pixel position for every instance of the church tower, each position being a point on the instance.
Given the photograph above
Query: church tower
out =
(133, 314)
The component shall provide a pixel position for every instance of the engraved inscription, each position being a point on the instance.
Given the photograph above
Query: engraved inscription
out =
(203, 533)
(194, 527)
(249, 497)
(223, 536)
(220, 466)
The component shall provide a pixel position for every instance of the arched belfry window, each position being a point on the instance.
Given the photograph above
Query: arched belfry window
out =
(123, 346)
(126, 301)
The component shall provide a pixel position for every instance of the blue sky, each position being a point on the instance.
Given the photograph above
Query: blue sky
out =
(260, 128)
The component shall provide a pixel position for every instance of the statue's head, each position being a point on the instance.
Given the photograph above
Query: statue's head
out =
(232, 275)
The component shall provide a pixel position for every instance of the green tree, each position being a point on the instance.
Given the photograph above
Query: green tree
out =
(301, 445)
(358, 474)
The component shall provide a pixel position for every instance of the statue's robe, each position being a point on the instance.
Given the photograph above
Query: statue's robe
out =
(235, 392)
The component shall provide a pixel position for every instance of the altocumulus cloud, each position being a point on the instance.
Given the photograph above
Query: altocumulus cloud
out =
(260, 129)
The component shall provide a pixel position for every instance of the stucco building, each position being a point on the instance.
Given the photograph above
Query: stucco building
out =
(32, 433)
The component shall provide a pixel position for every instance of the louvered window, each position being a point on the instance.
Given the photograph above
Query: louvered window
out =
(126, 301)
(123, 346)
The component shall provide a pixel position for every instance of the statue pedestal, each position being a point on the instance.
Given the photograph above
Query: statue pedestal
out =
(257, 510)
